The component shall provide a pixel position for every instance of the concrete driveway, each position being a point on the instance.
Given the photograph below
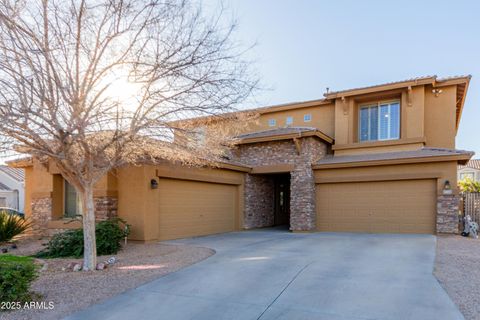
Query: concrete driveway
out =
(274, 274)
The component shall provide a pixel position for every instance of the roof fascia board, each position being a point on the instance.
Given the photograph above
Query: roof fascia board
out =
(392, 161)
(384, 87)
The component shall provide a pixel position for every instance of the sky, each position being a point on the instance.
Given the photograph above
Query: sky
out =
(303, 47)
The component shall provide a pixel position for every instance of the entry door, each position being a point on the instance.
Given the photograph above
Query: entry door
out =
(282, 200)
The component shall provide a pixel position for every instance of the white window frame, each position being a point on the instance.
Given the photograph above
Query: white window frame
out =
(377, 105)
(289, 120)
(272, 122)
(307, 117)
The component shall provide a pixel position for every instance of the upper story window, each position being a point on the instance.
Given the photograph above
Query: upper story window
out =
(307, 118)
(289, 121)
(380, 121)
(272, 122)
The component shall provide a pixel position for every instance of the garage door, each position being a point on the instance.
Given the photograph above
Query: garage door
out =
(190, 208)
(386, 207)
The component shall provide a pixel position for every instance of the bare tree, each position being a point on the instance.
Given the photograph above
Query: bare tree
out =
(92, 85)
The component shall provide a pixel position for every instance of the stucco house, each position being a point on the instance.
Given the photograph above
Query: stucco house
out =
(372, 159)
(471, 170)
(12, 188)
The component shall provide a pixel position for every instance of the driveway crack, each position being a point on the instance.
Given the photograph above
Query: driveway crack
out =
(283, 290)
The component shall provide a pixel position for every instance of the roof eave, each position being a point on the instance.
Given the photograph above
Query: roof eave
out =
(313, 133)
(461, 158)
(462, 103)
(381, 87)
(20, 163)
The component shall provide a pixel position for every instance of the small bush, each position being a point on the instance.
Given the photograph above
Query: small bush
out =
(468, 185)
(16, 276)
(109, 235)
(11, 225)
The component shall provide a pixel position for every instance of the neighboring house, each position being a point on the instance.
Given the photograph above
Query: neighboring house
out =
(12, 194)
(471, 170)
(372, 159)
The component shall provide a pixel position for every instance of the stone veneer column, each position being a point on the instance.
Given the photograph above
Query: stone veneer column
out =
(41, 214)
(105, 207)
(303, 215)
(447, 213)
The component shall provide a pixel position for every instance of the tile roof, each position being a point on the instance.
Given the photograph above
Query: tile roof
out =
(420, 153)
(474, 164)
(4, 187)
(276, 132)
(15, 173)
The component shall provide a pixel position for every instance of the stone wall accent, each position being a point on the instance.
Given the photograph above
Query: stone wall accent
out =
(302, 184)
(447, 213)
(259, 201)
(105, 207)
(41, 215)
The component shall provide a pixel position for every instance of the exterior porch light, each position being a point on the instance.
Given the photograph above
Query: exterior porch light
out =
(447, 188)
(154, 184)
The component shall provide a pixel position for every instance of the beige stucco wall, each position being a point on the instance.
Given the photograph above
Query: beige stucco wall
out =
(441, 171)
(423, 116)
(138, 204)
(440, 126)
(323, 118)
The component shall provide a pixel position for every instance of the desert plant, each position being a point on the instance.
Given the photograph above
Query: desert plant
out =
(108, 233)
(11, 225)
(468, 185)
(16, 275)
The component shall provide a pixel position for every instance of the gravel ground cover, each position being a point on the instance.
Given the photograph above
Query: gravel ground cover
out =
(457, 268)
(72, 291)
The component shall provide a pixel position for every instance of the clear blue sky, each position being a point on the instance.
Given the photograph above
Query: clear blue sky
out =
(305, 46)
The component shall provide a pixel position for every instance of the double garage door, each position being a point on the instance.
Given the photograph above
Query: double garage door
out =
(191, 208)
(406, 206)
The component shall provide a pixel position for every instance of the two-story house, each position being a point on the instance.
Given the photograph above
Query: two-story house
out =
(373, 159)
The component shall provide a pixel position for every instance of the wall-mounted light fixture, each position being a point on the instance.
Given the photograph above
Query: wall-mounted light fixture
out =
(447, 188)
(437, 92)
(154, 184)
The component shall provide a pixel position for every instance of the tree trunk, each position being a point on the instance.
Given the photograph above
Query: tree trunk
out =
(90, 244)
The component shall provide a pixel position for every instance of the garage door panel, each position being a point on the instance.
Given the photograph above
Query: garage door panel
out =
(191, 208)
(388, 206)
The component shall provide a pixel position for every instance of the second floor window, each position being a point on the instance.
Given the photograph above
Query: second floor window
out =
(307, 118)
(272, 122)
(380, 121)
(289, 121)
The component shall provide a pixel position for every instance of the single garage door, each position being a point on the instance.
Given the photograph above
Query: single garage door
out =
(191, 208)
(406, 206)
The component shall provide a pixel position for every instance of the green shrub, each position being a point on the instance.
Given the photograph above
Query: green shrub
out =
(11, 225)
(468, 185)
(65, 244)
(16, 275)
(109, 235)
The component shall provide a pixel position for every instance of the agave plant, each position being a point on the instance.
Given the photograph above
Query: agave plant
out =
(11, 225)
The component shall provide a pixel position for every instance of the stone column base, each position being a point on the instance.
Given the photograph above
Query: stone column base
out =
(105, 207)
(447, 213)
(41, 215)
